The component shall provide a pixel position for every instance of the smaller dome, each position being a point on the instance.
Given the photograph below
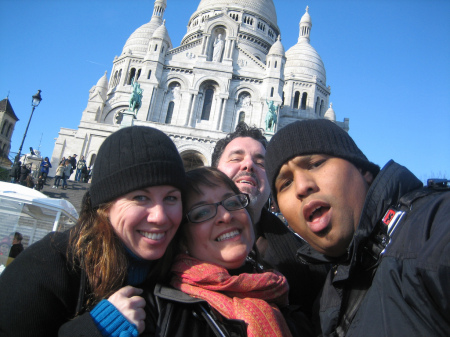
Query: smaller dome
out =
(162, 33)
(330, 114)
(277, 48)
(306, 18)
(103, 81)
(138, 42)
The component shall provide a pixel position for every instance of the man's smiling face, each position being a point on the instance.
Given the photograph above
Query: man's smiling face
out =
(243, 160)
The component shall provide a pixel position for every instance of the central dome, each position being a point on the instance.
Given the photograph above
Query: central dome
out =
(264, 8)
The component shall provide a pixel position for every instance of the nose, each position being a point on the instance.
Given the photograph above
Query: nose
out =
(247, 164)
(223, 215)
(304, 184)
(156, 214)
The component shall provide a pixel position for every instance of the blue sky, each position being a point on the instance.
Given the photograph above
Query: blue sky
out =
(387, 62)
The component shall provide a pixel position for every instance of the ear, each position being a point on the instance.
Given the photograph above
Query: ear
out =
(368, 177)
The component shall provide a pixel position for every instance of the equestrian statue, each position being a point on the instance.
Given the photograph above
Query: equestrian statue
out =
(271, 117)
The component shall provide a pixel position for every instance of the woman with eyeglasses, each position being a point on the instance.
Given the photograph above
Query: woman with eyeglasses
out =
(220, 288)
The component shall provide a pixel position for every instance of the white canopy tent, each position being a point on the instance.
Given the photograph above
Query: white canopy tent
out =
(32, 213)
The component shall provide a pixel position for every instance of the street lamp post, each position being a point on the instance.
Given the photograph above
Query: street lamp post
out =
(36, 99)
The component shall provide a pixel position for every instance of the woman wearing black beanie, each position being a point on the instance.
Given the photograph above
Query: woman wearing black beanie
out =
(86, 281)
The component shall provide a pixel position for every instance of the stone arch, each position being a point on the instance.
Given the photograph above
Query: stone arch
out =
(201, 81)
(177, 78)
(110, 116)
(201, 151)
(253, 91)
(229, 24)
(192, 159)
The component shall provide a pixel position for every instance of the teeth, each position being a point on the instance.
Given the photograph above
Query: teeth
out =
(246, 182)
(153, 236)
(227, 235)
(312, 213)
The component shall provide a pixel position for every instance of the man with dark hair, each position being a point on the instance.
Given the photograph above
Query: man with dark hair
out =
(241, 156)
(73, 162)
(386, 236)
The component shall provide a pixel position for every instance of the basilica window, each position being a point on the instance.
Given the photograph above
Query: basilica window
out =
(248, 20)
(296, 99)
(149, 74)
(276, 63)
(170, 112)
(304, 97)
(316, 109)
(207, 103)
(271, 92)
(132, 74)
(282, 100)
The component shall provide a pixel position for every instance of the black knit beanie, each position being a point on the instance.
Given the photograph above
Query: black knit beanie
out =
(132, 158)
(314, 136)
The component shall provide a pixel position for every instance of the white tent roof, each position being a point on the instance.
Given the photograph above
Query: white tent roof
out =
(23, 193)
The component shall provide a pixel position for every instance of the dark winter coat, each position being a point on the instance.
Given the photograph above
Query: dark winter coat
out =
(410, 291)
(42, 293)
(278, 246)
(15, 171)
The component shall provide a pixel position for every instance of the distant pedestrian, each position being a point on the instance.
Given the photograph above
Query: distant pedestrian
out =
(73, 162)
(81, 165)
(15, 172)
(17, 246)
(58, 175)
(67, 172)
(45, 166)
(24, 173)
(40, 183)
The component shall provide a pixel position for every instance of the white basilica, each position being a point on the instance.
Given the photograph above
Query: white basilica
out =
(231, 66)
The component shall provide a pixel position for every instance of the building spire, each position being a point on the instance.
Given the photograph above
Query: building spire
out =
(159, 8)
(305, 26)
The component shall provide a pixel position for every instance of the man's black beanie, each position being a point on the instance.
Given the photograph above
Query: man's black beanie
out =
(314, 136)
(132, 158)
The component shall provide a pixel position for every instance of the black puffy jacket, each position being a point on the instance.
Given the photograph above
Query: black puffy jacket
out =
(409, 294)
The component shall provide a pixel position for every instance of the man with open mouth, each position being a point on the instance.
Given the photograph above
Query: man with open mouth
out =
(385, 235)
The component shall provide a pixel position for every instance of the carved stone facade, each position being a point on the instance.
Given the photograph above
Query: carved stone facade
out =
(197, 98)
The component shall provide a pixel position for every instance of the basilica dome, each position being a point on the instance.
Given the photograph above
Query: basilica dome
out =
(138, 42)
(277, 48)
(302, 59)
(264, 8)
(162, 33)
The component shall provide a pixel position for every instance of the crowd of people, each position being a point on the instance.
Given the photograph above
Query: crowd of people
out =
(158, 251)
(23, 174)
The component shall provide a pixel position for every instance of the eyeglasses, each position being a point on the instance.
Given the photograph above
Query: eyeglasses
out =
(209, 211)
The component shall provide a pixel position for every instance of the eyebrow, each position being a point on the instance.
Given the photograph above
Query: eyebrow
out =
(297, 162)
